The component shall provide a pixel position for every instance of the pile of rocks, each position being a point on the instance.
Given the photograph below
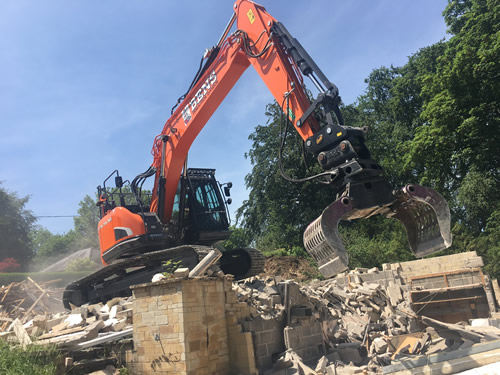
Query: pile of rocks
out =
(359, 326)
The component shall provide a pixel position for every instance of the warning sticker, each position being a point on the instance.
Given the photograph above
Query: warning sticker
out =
(251, 16)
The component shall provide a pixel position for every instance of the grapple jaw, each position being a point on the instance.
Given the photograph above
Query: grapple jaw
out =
(423, 212)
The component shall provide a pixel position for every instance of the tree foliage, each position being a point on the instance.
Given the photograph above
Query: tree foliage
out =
(16, 222)
(47, 245)
(51, 245)
(457, 146)
(433, 121)
(277, 212)
(86, 223)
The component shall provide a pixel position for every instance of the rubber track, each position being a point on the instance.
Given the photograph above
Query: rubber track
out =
(86, 283)
(89, 281)
(258, 262)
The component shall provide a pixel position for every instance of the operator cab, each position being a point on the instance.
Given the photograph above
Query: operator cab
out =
(204, 216)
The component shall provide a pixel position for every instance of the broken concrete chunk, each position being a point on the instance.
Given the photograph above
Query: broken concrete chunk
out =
(113, 302)
(474, 262)
(366, 290)
(114, 311)
(348, 355)
(119, 325)
(321, 366)
(53, 322)
(181, 272)
(271, 289)
(74, 320)
(125, 314)
(104, 309)
(158, 277)
(379, 345)
(394, 293)
(40, 321)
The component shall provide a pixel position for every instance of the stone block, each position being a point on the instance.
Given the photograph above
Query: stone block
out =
(473, 262)
(379, 345)
(306, 341)
(241, 353)
(181, 272)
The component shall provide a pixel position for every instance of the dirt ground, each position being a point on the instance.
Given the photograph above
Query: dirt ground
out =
(290, 267)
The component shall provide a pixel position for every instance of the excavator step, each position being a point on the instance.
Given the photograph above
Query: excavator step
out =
(423, 212)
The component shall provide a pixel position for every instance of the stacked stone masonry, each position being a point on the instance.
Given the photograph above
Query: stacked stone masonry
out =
(180, 327)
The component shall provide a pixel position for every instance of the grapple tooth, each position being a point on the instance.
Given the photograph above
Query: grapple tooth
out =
(423, 212)
(426, 218)
(323, 242)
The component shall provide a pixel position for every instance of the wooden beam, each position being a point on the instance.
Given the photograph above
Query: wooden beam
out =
(34, 304)
(6, 292)
(448, 300)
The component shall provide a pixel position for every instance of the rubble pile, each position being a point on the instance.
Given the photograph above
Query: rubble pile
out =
(363, 321)
(72, 332)
(68, 329)
(262, 295)
(26, 299)
(363, 325)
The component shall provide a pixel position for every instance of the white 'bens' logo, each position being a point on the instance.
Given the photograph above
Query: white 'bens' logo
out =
(198, 97)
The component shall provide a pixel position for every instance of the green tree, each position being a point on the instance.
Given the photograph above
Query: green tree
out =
(433, 121)
(86, 223)
(277, 211)
(239, 238)
(39, 236)
(391, 107)
(456, 148)
(55, 244)
(16, 222)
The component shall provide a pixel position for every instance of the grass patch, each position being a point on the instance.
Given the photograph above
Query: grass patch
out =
(34, 360)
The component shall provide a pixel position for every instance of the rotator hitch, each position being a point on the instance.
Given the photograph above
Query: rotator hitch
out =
(363, 191)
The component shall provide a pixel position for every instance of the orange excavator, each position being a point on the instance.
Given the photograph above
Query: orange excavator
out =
(187, 213)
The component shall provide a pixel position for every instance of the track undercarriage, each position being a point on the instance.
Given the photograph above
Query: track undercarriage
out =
(115, 279)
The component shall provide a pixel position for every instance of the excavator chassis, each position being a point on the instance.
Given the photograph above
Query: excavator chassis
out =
(115, 279)
(423, 212)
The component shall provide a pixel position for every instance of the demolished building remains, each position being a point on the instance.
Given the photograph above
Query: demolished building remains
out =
(434, 315)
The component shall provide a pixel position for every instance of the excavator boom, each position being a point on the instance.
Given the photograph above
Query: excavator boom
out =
(357, 181)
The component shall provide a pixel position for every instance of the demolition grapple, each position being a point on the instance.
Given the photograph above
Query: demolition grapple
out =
(423, 212)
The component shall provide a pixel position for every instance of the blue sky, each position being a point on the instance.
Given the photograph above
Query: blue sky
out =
(85, 85)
